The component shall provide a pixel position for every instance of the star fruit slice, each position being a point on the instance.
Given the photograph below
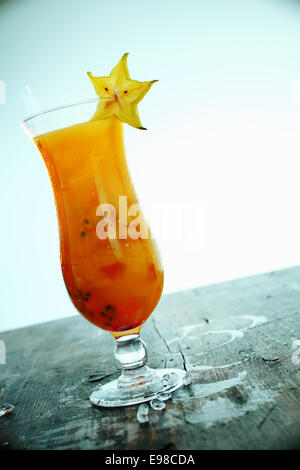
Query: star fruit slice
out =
(120, 95)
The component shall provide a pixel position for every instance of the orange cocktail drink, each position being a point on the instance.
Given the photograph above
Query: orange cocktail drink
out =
(115, 282)
(110, 262)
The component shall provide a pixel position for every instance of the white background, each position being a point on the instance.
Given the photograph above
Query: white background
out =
(223, 138)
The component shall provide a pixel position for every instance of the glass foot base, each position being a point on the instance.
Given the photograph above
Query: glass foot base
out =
(138, 386)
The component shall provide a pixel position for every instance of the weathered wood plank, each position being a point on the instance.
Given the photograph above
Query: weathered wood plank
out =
(235, 338)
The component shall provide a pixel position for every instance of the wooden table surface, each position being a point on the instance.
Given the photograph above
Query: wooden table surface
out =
(240, 340)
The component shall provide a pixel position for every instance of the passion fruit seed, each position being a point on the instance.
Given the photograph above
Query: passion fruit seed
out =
(110, 308)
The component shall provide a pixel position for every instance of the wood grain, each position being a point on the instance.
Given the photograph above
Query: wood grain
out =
(235, 338)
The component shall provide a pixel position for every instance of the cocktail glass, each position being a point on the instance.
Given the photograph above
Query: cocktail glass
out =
(110, 262)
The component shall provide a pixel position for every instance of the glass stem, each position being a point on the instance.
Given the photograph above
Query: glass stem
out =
(136, 377)
(130, 352)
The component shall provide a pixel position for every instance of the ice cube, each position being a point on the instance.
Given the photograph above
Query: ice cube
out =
(157, 404)
(165, 380)
(154, 417)
(142, 413)
(6, 408)
(187, 379)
